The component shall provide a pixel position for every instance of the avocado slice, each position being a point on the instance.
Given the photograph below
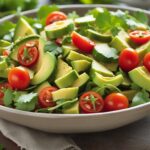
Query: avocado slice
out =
(143, 49)
(23, 29)
(100, 80)
(129, 94)
(113, 66)
(45, 65)
(65, 93)
(67, 48)
(67, 79)
(81, 81)
(119, 42)
(103, 52)
(141, 76)
(98, 36)
(3, 63)
(85, 20)
(4, 73)
(77, 56)
(62, 68)
(4, 45)
(19, 43)
(98, 67)
(71, 109)
(80, 65)
(42, 86)
(59, 29)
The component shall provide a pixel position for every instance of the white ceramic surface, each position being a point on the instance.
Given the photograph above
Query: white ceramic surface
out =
(75, 123)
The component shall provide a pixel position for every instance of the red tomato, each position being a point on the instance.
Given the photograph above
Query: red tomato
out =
(6, 52)
(2, 86)
(128, 59)
(84, 44)
(146, 61)
(139, 36)
(115, 101)
(28, 54)
(45, 97)
(55, 16)
(91, 102)
(18, 78)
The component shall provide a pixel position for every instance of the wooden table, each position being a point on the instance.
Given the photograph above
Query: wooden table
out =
(135, 136)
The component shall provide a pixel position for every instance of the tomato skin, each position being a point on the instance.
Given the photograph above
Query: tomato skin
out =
(84, 44)
(3, 85)
(18, 78)
(55, 16)
(146, 61)
(128, 59)
(32, 51)
(58, 41)
(45, 97)
(140, 36)
(6, 53)
(115, 101)
(87, 106)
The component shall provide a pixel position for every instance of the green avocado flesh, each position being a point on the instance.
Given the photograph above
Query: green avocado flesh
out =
(141, 77)
(65, 93)
(23, 29)
(101, 80)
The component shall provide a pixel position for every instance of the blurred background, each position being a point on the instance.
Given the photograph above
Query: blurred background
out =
(12, 6)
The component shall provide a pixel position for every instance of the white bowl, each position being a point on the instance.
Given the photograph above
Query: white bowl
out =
(75, 123)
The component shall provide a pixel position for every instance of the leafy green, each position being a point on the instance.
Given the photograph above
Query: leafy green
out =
(66, 40)
(61, 103)
(1, 147)
(141, 17)
(73, 15)
(6, 28)
(140, 98)
(26, 102)
(44, 11)
(8, 97)
(53, 48)
(135, 86)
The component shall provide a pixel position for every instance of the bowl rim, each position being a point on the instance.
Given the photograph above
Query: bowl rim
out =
(51, 115)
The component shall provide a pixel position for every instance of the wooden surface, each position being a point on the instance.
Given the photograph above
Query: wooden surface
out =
(135, 136)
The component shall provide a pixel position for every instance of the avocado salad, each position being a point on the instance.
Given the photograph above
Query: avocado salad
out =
(71, 64)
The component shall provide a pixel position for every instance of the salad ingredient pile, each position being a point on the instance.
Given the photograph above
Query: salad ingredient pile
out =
(64, 63)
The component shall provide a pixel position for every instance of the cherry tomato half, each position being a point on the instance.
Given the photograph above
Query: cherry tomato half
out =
(18, 78)
(58, 41)
(55, 16)
(45, 97)
(139, 36)
(2, 86)
(115, 101)
(28, 54)
(6, 52)
(146, 61)
(84, 44)
(128, 59)
(91, 102)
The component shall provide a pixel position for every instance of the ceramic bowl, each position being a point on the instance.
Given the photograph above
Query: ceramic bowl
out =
(75, 123)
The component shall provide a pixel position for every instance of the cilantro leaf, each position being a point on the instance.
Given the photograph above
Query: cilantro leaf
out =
(62, 103)
(67, 40)
(53, 48)
(44, 11)
(26, 102)
(140, 98)
(141, 17)
(1, 147)
(8, 97)
(6, 28)
(73, 15)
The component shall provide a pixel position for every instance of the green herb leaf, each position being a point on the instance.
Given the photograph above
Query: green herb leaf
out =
(8, 97)
(141, 17)
(1, 147)
(67, 40)
(140, 98)
(53, 48)
(62, 104)
(5, 28)
(73, 15)
(44, 11)
(26, 102)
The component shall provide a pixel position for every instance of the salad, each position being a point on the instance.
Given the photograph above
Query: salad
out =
(66, 63)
